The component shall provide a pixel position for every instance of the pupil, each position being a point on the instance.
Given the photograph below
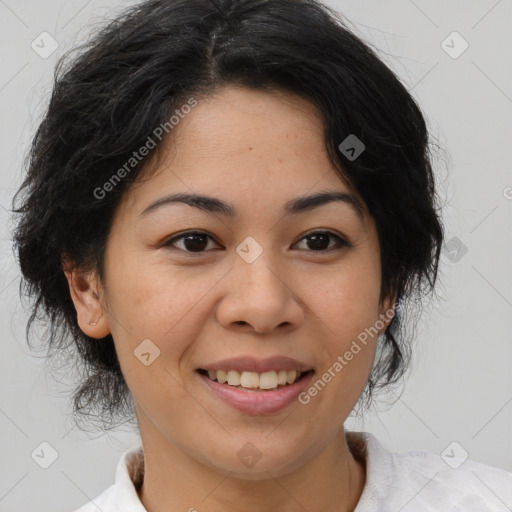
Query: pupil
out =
(317, 242)
(192, 244)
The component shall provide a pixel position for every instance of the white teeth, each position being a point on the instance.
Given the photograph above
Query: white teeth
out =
(268, 380)
(282, 377)
(234, 378)
(249, 380)
(254, 380)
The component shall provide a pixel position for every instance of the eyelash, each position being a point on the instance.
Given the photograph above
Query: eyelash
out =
(341, 242)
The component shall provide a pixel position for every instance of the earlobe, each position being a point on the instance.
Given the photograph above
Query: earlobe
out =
(84, 289)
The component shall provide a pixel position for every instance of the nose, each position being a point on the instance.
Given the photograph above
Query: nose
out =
(259, 297)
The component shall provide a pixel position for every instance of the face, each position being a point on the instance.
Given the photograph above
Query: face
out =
(255, 288)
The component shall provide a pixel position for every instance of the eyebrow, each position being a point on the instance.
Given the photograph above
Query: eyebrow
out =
(293, 207)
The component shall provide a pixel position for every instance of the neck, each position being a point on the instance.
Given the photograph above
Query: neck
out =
(332, 480)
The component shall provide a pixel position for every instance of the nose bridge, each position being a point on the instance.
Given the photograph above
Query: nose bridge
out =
(257, 272)
(257, 294)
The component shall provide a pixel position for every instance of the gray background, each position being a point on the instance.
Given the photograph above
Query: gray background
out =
(460, 387)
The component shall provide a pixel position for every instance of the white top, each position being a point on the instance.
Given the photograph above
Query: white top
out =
(416, 481)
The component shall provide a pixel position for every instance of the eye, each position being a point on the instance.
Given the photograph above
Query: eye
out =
(197, 241)
(193, 241)
(318, 241)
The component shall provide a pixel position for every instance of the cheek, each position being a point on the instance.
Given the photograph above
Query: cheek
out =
(158, 315)
(348, 307)
(158, 303)
(348, 311)
(348, 301)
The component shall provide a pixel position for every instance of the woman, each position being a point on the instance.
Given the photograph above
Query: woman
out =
(227, 204)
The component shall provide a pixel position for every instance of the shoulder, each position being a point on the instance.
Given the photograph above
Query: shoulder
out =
(122, 495)
(421, 481)
(463, 485)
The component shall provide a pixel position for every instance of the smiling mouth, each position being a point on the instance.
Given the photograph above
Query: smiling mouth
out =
(254, 381)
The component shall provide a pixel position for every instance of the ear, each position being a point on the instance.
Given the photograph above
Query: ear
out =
(387, 311)
(85, 292)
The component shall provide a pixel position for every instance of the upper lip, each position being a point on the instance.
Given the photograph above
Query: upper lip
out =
(252, 364)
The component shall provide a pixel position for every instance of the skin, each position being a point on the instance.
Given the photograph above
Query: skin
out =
(255, 150)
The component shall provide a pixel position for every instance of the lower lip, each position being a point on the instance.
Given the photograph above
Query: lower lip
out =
(257, 402)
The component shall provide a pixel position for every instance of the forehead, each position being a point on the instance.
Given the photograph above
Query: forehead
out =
(250, 146)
